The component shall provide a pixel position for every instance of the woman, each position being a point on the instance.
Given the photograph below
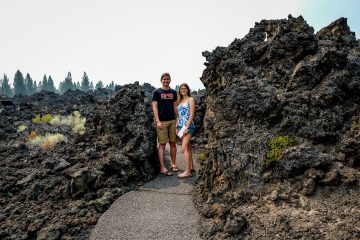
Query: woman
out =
(186, 112)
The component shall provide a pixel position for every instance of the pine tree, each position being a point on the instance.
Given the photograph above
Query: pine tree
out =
(29, 84)
(99, 85)
(19, 83)
(111, 86)
(36, 87)
(78, 86)
(61, 88)
(51, 86)
(85, 84)
(5, 87)
(66, 84)
(91, 88)
(44, 83)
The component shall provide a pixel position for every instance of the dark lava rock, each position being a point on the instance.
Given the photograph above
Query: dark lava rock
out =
(200, 108)
(282, 80)
(60, 193)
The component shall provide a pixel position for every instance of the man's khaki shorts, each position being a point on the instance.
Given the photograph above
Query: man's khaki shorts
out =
(168, 132)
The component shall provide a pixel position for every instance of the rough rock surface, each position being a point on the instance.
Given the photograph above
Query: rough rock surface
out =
(199, 138)
(281, 79)
(60, 193)
(149, 90)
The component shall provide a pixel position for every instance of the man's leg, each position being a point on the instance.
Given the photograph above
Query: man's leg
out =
(173, 153)
(161, 153)
(172, 141)
(163, 138)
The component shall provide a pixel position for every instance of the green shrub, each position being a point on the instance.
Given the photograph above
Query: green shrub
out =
(281, 142)
(21, 128)
(46, 118)
(74, 120)
(36, 119)
(201, 157)
(277, 148)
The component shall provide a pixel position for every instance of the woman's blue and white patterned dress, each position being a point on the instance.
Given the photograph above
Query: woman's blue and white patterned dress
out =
(184, 115)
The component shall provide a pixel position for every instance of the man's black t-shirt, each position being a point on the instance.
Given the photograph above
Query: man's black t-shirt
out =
(165, 99)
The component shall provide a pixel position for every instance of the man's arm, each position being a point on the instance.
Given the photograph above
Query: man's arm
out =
(156, 113)
(175, 109)
(175, 104)
(176, 115)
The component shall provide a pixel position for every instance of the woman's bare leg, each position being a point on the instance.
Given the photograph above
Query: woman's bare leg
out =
(185, 148)
(191, 157)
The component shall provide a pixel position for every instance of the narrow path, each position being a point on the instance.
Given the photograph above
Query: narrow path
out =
(161, 209)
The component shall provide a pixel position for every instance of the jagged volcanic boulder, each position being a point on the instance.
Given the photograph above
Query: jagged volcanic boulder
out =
(282, 129)
(60, 193)
(149, 90)
(200, 106)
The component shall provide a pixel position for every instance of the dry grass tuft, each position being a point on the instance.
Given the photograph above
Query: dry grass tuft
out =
(49, 141)
(32, 135)
(21, 128)
(56, 121)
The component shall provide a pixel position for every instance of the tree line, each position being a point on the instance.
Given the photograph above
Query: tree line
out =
(27, 86)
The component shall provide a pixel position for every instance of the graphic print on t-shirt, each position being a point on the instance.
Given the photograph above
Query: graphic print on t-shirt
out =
(167, 96)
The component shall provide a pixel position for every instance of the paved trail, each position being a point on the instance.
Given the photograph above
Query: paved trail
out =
(161, 209)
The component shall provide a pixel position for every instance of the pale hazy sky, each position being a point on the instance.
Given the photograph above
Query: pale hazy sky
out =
(138, 40)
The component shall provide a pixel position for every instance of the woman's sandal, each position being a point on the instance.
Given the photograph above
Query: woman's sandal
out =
(182, 175)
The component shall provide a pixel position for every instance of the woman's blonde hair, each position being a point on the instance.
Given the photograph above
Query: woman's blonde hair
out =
(180, 97)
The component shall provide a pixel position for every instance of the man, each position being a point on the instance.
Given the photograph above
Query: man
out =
(165, 112)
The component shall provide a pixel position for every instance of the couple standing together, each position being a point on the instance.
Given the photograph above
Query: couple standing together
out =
(174, 113)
